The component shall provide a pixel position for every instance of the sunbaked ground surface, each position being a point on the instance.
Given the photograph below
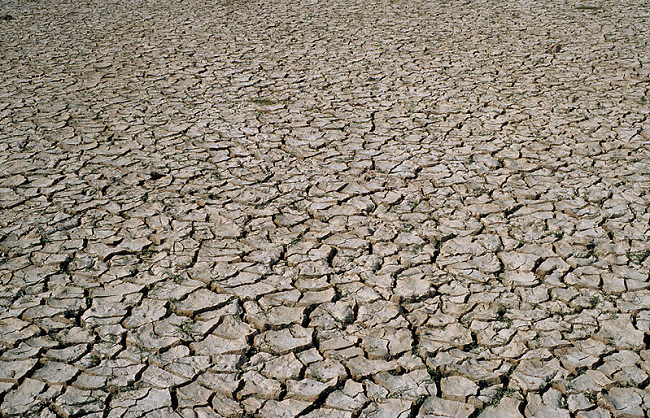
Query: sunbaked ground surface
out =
(332, 208)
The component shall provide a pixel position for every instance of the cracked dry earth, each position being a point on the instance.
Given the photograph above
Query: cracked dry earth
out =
(325, 209)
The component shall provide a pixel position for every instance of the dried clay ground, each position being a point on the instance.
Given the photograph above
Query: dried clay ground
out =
(325, 208)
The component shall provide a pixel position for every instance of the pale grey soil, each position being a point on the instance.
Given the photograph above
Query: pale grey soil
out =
(333, 208)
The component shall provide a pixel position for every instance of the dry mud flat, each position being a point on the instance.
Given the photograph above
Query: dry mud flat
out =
(325, 209)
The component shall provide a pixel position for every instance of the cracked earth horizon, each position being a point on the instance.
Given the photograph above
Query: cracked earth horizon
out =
(325, 208)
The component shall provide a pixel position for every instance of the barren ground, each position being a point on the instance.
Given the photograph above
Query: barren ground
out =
(327, 208)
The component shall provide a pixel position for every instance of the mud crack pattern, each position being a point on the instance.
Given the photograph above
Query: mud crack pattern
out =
(324, 208)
